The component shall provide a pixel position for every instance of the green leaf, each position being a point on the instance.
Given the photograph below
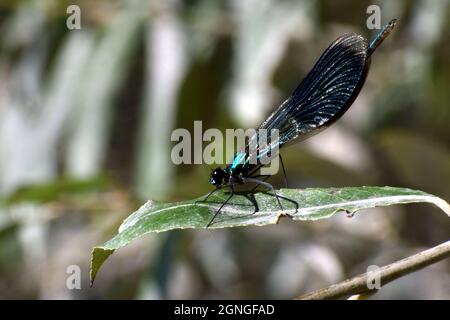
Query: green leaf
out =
(314, 204)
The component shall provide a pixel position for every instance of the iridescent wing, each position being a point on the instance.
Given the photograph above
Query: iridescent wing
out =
(324, 95)
(326, 92)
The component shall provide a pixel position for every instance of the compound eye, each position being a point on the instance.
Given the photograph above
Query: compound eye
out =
(216, 177)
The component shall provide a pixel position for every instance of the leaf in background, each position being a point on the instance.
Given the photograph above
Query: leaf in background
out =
(314, 204)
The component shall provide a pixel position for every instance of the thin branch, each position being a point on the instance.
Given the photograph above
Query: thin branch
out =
(358, 284)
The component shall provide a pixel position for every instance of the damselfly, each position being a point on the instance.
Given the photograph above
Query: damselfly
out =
(323, 96)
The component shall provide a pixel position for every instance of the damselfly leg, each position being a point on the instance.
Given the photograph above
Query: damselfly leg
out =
(284, 172)
(211, 193)
(272, 189)
(223, 204)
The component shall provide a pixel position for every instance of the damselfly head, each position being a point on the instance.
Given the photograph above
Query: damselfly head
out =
(217, 177)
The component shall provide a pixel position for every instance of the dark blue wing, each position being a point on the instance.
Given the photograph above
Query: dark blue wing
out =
(325, 94)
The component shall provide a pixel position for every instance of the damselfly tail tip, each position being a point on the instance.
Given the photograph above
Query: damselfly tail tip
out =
(385, 31)
(392, 22)
(390, 25)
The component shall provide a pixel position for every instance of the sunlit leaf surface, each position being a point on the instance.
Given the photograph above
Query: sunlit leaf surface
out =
(314, 204)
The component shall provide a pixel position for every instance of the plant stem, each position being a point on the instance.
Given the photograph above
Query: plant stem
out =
(388, 273)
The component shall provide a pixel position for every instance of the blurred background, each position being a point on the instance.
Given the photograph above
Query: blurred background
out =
(85, 123)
